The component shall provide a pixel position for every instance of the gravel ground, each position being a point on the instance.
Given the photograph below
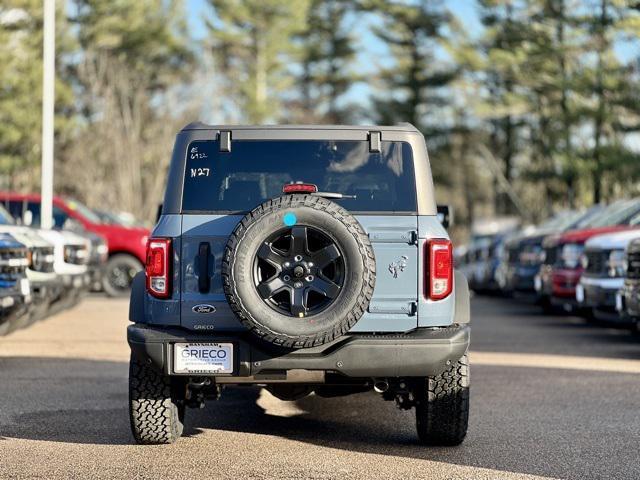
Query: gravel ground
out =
(552, 397)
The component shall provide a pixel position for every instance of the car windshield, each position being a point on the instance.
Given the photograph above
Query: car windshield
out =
(255, 171)
(83, 210)
(560, 221)
(585, 217)
(615, 214)
(5, 217)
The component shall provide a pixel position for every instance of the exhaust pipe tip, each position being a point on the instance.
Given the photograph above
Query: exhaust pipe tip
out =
(381, 386)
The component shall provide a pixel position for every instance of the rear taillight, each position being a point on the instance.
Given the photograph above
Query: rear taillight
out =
(438, 282)
(157, 268)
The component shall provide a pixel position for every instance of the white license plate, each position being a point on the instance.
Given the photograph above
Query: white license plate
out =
(203, 358)
(580, 293)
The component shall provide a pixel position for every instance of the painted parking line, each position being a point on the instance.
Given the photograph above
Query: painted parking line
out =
(563, 362)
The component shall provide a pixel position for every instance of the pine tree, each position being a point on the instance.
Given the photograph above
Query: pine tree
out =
(134, 55)
(327, 57)
(502, 44)
(21, 91)
(606, 88)
(252, 41)
(414, 85)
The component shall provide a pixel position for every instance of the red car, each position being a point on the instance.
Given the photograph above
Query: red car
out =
(127, 245)
(562, 268)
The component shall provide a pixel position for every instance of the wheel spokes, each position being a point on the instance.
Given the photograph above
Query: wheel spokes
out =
(268, 254)
(325, 256)
(298, 241)
(298, 302)
(269, 288)
(326, 287)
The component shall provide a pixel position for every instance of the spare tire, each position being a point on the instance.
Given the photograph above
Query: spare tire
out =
(298, 271)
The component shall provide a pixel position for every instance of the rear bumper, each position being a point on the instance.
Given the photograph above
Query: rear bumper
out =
(421, 352)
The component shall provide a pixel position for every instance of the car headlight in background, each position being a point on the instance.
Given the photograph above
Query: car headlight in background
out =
(571, 254)
(617, 264)
(76, 254)
(103, 252)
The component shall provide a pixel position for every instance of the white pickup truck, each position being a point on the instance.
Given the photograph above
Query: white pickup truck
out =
(604, 265)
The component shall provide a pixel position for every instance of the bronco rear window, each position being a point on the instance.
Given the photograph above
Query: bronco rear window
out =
(256, 170)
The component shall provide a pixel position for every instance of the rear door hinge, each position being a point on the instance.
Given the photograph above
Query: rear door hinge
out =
(375, 142)
(225, 141)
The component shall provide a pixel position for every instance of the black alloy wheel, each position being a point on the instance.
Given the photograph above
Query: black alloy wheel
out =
(299, 271)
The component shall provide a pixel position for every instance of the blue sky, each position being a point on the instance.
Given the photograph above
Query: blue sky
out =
(370, 47)
(373, 53)
(464, 9)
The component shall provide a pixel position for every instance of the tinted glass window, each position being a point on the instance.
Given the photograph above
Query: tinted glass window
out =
(84, 211)
(15, 209)
(255, 171)
(5, 217)
(59, 217)
(34, 208)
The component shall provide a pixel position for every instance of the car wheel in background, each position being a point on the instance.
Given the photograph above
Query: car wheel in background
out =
(118, 274)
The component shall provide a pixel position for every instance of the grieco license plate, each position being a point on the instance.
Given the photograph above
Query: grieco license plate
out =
(203, 358)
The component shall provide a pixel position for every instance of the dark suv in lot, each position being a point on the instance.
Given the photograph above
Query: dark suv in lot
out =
(629, 301)
(15, 291)
(304, 260)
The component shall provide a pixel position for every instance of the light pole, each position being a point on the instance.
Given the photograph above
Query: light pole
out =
(48, 99)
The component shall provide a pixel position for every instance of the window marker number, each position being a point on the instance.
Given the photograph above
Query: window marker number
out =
(196, 155)
(200, 172)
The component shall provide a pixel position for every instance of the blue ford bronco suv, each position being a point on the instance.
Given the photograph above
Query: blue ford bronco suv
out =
(306, 260)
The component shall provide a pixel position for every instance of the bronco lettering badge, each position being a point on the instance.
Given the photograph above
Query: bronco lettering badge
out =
(203, 308)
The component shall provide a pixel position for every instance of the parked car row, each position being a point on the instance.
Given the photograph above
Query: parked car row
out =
(45, 271)
(583, 262)
(42, 271)
(126, 241)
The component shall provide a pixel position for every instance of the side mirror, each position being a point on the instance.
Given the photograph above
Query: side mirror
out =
(159, 212)
(445, 215)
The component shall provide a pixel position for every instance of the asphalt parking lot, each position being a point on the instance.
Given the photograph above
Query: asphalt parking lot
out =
(552, 397)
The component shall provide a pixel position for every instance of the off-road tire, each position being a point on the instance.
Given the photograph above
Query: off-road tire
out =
(442, 406)
(270, 326)
(156, 415)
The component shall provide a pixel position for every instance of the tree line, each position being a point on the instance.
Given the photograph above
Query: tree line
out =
(536, 109)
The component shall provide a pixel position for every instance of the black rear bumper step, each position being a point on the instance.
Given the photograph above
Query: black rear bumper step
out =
(421, 352)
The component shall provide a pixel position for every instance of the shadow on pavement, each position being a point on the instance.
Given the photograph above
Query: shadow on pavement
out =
(520, 441)
(64, 400)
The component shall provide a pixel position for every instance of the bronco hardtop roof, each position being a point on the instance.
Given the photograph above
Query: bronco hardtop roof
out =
(401, 127)
(228, 134)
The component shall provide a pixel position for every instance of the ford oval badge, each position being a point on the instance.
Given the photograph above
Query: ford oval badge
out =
(203, 308)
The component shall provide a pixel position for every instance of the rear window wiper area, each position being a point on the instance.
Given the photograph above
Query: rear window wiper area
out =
(333, 195)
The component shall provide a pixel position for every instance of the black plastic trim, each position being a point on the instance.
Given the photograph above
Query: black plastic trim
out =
(421, 352)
